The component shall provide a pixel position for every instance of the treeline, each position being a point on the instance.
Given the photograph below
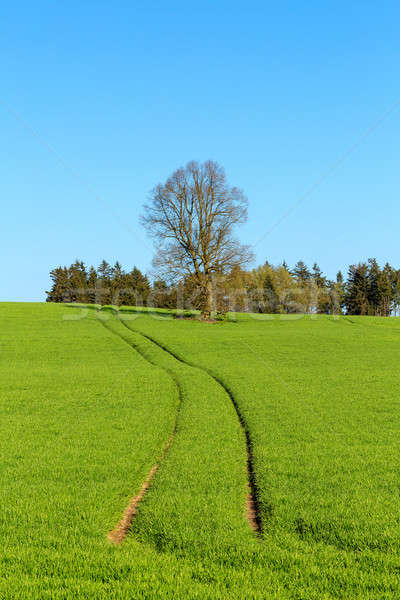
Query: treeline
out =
(367, 290)
(105, 285)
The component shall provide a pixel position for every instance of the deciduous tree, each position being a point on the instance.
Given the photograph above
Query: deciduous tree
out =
(192, 218)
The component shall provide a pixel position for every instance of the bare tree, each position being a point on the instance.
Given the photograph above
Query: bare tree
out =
(192, 217)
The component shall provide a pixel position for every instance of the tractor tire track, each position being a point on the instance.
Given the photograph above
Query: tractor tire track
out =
(252, 507)
(117, 535)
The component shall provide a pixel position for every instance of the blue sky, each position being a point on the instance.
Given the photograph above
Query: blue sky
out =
(100, 101)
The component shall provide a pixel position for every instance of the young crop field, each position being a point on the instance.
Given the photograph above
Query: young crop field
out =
(148, 456)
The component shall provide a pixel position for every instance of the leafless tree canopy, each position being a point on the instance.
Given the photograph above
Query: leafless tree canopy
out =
(192, 218)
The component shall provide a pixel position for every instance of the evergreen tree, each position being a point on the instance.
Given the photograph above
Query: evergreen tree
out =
(357, 288)
(135, 288)
(386, 290)
(320, 288)
(304, 297)
(374, 293)
(104, 272)
(396, 291)
(60, 285)
(271, 300)
(265, 295)
(117, 284)
(337, 294)
(301, 272)
(141, 285)
(78, 282)
(318, 277)
(92, 285)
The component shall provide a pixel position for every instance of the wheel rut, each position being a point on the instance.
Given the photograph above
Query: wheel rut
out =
(252, 507)
(117, 535)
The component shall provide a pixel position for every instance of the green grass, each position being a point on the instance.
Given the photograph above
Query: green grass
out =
(88, 404)
(203, 477)
(321, 399)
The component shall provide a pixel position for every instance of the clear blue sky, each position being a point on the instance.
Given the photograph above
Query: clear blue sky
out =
(101, 100)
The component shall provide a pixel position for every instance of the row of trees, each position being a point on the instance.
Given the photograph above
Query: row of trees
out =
(192, 218)
(372, 290)
(105, 285)
(368, 289)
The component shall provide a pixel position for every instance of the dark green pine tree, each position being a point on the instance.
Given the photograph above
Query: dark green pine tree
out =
(270, 301)
(60, 286)
(117, 284)
(374, 293)
(305, 301)
(301, 272)
(78, 282)
(318, 277)
(135, 288)
(285, 266)
(92, 285)
(321, 291)
(386, 290)
(141, 285)
(104, 272)
(357, 288)
(396, 291)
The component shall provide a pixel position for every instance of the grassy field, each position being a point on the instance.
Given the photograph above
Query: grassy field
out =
(300, 413)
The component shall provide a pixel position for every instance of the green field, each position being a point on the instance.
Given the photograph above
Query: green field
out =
(301, 413)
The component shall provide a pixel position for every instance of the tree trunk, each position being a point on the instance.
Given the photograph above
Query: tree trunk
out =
(208, 299)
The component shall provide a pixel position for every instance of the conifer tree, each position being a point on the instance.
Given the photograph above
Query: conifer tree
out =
(301, 272)
(337, 294)
(117, 282)
(92, 285)
(60, 288)
(78, 282)
(386, 290)
(271, 300)
(322, 297)
(318, 277)
(374, 293)
(141, 284)
(104, 272)
(396, 291)
(356, 298)
(285, 266)
(303, 296)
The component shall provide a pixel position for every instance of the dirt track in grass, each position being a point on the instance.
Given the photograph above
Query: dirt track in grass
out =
(252, 510)
(119, 533)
